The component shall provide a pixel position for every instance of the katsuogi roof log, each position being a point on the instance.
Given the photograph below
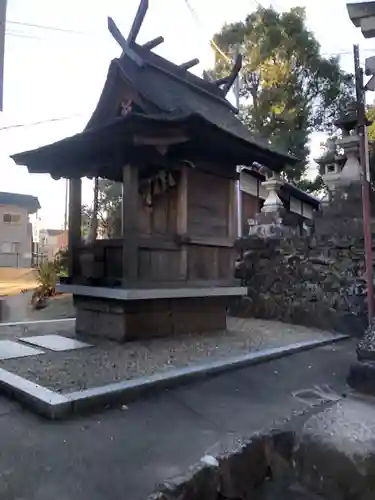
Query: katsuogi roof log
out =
(147, 95)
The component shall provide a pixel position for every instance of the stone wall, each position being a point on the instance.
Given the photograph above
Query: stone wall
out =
(315, 281)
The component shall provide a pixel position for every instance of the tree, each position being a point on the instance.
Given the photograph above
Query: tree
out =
(289, 88)
(109, 210)
(371, 137)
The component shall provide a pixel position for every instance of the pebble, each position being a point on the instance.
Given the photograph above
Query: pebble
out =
(109, 362)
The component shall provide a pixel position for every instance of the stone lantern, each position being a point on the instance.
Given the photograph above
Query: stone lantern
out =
(349, 142)
(272, 204)
(331, 164)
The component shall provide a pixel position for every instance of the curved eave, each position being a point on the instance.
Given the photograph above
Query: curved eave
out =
(82, 153)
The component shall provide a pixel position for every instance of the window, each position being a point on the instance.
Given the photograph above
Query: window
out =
(9, 247)
(5, 248)
(11, 218)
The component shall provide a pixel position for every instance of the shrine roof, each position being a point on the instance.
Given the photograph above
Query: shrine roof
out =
(161, 95)
(171, 90)
(92, 152)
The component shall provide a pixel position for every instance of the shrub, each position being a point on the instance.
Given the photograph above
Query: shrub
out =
(47, 284)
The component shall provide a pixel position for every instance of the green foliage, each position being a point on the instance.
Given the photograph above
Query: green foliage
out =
(47, 284)
(289, 88)
(315, 186)
(371, 136)
(109, 210)
(61, 263)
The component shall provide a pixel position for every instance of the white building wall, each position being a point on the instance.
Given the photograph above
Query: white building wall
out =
(253, 186)
(15, 237)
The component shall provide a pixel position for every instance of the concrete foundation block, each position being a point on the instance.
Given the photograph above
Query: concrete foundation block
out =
(335, 457)
(123, 320)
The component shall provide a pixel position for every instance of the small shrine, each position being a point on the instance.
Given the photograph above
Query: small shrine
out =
(174, 141)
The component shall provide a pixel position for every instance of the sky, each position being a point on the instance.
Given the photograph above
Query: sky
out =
(58, 74)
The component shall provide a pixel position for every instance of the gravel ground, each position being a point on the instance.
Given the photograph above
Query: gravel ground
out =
(108, 362)
(18, 308)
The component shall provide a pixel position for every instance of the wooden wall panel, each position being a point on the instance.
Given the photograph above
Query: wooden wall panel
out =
(159, 265)
(250, 207)
(226, 259)
(208, 201)
(161, 217)
(113, 261)
(203, 263)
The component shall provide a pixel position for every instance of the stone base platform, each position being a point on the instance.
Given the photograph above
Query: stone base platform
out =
(131, 318)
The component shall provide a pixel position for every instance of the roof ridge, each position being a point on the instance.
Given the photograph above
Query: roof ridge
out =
(160, 63)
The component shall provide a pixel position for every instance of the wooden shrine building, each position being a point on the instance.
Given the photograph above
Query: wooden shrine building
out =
(174, 142)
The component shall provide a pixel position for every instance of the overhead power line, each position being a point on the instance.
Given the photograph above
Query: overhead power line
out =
(41, 122)
(214, 45)
(191, 9)
(51, 28)
(212, 41)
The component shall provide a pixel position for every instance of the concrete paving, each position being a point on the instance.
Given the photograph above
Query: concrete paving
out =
(125, 453)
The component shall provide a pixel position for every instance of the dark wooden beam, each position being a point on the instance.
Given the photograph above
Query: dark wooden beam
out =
(138, 20)
(182, 218)
(189, 64)
(121, 40)
(130, 224)
(74, 225)
(159, 141)
(229, 80)
(214, 241)
(221, 81)
(153, 43)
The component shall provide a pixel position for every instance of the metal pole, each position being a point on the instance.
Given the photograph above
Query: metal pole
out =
(66, 214)
(238, 183)
(366, 203)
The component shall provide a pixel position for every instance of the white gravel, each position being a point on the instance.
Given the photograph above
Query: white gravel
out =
(108, 362)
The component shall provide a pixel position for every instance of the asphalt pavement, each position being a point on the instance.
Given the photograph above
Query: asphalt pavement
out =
(124, 453)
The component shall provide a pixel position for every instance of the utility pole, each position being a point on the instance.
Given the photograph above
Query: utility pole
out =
(365, 179)
(3, 8)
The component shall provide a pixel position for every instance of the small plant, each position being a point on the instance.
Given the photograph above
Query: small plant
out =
(47, 284)
(61, 263)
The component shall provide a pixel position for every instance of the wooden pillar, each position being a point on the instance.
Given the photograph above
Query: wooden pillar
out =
(74, 234)
(130, 225)
(182, 218)
(232, 209)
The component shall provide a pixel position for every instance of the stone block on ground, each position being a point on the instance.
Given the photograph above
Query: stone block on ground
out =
(247, 466)
(362, 377)
(201, 482)
(243, 469)
(335, 457)
(257, 468)
(366, 346)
